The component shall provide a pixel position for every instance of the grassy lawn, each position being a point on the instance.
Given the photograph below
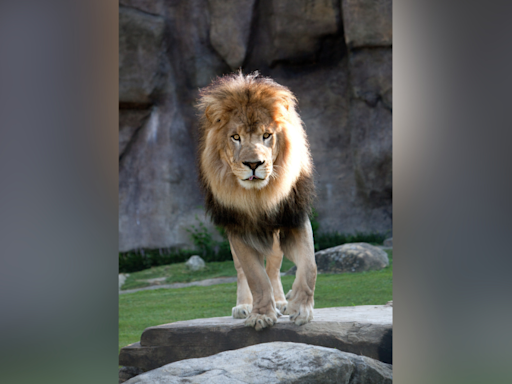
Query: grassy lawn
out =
(179, 273)
(143, 309)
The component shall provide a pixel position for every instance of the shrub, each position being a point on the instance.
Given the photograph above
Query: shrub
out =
(212, 250)
(333, 239)
(137, 260)
(208, 248)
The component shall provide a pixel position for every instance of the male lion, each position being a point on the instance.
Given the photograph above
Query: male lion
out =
(256, 172)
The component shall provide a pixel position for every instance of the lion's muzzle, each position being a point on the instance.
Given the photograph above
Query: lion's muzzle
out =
(253, 167)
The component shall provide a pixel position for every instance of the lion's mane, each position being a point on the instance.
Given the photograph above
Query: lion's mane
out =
(286, 201)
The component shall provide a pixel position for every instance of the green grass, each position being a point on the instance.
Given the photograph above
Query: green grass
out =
(179, 273)
(143, 309)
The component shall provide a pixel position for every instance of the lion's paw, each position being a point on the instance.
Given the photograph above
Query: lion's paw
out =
(280, 306)
(299, 310)
(241, 311)
(260, 321)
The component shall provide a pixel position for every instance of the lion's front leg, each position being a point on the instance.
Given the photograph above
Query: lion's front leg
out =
(243, 293)
(263, 307)
(298, 246)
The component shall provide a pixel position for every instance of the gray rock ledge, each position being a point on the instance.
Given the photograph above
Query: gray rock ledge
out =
(364, 330)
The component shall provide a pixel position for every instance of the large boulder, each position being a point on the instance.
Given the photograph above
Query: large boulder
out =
(130, 121)
(126, 373)
(149, 6)
(325, 109)
(299, 26)
(364, 330)
(370, 120)
(350, 257)
(371, 75)
(367, 22)
(371, 149)
(158, 191)
(277, 362)
(141, 51)
(230, 28)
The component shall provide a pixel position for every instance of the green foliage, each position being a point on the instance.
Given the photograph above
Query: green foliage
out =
(208, 247)
(212, 250)
(333, 239)
(141, 259)
(202, 239)
(204, 245)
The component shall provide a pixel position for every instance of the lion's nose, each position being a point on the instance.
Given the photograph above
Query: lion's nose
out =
(253, 166)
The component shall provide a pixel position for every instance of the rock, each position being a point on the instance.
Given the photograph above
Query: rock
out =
(388, 242)
(372, 142)
(277, 362)
(170, 49)
(159, 194)
(140, 54)
(371, 75)
(367, 22)
(370, 119)
(122, 278)
(299, 26)
(350, 257)
(130, 121)
(230, 28)
(126, 373)
(363, 330)
(325, 111)
(150, 6)
(195, 263)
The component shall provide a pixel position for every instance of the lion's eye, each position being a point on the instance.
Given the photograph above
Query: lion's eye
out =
(236, 137)
(266, 135)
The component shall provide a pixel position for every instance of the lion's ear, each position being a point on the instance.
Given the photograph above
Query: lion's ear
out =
(211, 116)
(284, 109)
(208, 114)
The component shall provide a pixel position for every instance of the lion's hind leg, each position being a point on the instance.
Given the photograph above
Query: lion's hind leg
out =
(243, 293)
(273, 268)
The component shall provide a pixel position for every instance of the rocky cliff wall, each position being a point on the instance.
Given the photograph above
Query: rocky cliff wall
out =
(334, 55)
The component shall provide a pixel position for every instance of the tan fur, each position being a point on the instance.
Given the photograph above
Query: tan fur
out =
(271, 109)
(256, 171)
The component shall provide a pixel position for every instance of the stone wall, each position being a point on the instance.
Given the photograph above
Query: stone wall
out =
(334, 55)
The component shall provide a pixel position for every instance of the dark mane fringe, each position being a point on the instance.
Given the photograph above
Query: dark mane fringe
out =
(291, 212)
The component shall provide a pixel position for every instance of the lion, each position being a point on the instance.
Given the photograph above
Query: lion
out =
(256, 172)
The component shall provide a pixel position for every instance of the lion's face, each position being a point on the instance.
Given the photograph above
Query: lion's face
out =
(251, 151)
(253, 148)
